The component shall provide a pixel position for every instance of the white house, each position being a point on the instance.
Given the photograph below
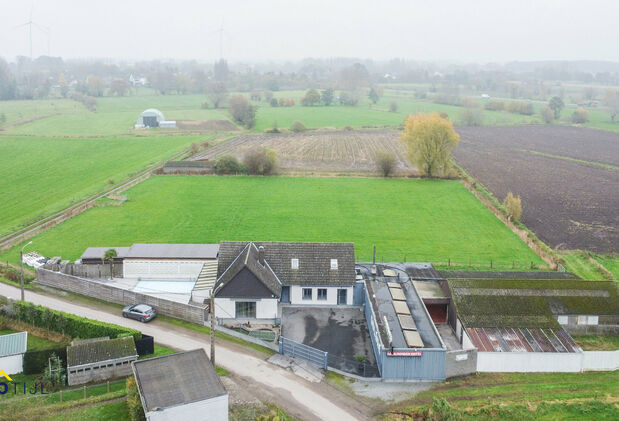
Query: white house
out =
(254, 277)
(181, 386)
(12, 349)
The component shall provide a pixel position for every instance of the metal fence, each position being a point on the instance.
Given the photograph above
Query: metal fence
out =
(360, 368)
(297, 350)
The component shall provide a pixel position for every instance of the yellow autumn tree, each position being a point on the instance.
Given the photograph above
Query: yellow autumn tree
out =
(429, 139)
(513, 206)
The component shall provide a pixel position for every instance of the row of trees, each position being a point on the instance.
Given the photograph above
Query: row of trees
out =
(257, 161)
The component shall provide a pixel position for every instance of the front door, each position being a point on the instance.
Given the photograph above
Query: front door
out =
(342, 295)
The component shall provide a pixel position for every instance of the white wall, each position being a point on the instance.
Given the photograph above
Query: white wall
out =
(12, 364)
(600, 360)
(162, 269)
(215, 409)
(529, 362)
(296, 295)
(266, 308)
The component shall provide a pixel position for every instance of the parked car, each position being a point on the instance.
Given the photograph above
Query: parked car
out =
(142, 312)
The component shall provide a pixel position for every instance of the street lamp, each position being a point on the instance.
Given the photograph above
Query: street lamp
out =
(21, 262)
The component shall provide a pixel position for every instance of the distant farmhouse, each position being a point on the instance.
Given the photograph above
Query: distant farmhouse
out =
(254, 277)
(99, 359)
(181, 386)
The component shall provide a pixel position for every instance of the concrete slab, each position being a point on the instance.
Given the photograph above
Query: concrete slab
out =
(429, 289)
(401, 307)
(341, 331)
(299, 367)
(397, 294)
(449, 337)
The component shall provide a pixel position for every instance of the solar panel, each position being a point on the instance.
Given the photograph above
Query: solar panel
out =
(413, 339)
(397, 294)
(393, 285)
(401, 307)
(407, 322)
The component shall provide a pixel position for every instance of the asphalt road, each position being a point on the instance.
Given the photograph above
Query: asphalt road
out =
(300, 398)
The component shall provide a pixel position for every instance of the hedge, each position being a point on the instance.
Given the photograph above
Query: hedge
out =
(69, 324)
(35, 362)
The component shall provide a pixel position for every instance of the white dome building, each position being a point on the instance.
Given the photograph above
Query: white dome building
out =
(153, 118)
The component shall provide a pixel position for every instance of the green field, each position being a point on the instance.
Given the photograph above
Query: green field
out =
(520, 396)
(413, 220)
(42, 175)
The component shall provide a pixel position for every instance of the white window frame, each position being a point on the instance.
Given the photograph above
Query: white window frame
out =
(311, 294)
(324, 297)
(333, 264)
(294, 263)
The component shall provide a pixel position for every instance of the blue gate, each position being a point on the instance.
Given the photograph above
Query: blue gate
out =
(296, 350)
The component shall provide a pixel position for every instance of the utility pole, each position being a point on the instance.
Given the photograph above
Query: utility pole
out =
(212, 315)
(21, 263)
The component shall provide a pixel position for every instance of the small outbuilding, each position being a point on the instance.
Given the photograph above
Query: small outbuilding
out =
(153, 118)
(181, 386)
(12, 349)
(100, 359)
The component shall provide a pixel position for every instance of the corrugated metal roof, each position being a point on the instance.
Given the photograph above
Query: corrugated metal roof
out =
(13, 343)
(522, 340)
(173, 251)
(177, 379)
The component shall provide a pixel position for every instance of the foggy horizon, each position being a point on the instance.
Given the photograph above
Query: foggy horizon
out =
(279, 31)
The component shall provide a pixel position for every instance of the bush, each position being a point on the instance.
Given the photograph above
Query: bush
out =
(286, 102)
(298, 127)
(495, 105)
(260, 161)
(447, 99)
(69, 324)
(35, 362)
(134, 404)
(471, 116)
(312, 97)
(393, 106)
(580, 116)
(274, 102)
(513, 206)
(385, 162)
(54, 374)
(547, 114)
(519, 107)
(228, 164)
(204, 105)
(242, 111)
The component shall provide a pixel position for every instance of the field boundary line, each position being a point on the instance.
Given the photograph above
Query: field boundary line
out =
(528, 237)
(569, 159)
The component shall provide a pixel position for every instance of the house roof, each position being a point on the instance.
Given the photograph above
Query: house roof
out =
(176, 379)
(248, 258)
(99, 252)
(173, 251)
(13, 343)
(501, 303)
(92, 352)
(314, 261)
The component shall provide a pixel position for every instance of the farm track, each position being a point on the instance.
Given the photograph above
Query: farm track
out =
(56, 218)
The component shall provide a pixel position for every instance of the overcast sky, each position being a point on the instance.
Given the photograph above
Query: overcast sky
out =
(261, 30)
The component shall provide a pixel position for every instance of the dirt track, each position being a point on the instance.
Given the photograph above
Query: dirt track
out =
(568, 204)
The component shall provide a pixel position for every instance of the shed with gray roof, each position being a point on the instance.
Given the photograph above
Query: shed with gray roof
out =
(100, 359)
(12, 349)
(184, 385)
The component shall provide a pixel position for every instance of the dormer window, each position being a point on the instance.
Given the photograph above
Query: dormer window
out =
(333, 264)
(294, 263)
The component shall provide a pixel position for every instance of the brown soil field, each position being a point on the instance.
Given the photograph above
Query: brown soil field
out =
(215, 125)
(568, 204)
(319, 151)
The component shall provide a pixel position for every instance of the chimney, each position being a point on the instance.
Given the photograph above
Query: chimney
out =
(261, 255)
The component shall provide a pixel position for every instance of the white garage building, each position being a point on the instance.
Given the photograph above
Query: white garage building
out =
(168, 261)
(12, 349)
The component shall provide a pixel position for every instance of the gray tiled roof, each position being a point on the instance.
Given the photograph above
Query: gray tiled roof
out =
(13, 343)
(314, 261)
(173, 251)
(99, 252)
(91, 352)
(177, 379)
(248, 258)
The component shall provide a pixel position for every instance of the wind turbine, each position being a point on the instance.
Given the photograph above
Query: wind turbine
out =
(30, 23)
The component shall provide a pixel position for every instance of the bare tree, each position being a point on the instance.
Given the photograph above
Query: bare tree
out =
(217, 93)
(385, 162)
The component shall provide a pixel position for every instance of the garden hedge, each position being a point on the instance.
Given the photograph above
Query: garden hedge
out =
(35, 362)
(69, 324)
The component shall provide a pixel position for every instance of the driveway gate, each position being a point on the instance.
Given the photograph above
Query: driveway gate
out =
(296, 350)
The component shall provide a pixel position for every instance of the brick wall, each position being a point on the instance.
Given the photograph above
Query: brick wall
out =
(101, 291)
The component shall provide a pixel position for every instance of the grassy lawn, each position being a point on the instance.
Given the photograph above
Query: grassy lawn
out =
(522, 396)
(160, 350)
(412, 220)
(597, 342)
(54, 172)
(109, 411)
(579, 263)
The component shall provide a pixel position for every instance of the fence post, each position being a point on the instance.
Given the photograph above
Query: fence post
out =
(108, 386)
(490, 263)
(326, 361)
(84, 391)
(60, 395)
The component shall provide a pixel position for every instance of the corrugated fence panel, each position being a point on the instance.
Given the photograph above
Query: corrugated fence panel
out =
(373, 327)
(304, 352)
(429, 366)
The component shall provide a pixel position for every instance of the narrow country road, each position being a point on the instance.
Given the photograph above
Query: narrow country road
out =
(302, 399)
